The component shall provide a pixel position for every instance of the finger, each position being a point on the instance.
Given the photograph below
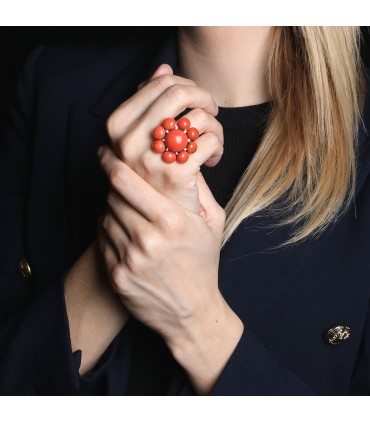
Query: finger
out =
(124, 222)
(131, 109)
(110, 254)
(117, 235)
(134, 189)
(209, 150)
(205, 122)
(141, 232)
(175, 100)
(163, 69)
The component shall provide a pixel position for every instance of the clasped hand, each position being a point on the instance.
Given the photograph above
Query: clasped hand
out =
(161, 234)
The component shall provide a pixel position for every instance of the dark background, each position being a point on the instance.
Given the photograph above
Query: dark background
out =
(18, 42)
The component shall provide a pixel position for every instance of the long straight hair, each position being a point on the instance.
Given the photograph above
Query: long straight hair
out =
(307, 153)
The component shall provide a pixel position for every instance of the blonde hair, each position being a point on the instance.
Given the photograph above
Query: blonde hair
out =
(307, 154)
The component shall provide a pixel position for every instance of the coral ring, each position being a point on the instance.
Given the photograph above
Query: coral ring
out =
(175, 140)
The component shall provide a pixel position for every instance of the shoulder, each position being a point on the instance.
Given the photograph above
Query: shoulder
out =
(96, 76)
(74, 70)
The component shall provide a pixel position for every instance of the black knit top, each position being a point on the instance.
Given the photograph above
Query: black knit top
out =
(243, 130)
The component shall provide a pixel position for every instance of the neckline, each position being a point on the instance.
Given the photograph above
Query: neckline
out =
(241, 116)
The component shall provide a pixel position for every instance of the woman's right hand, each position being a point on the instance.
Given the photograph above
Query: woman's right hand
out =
(130, 126)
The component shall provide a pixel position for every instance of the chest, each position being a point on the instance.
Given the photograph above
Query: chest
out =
(289, 296)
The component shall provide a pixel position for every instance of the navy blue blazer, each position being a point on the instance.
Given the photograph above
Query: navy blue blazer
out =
(52, 191)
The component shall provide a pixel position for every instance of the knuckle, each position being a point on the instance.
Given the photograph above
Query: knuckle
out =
(147, 162)
(177, 92)
(173, 176)
(150, 243)
(118, 178)
(132, 259)
(220, 129)
(201, 116)
(168, 175)
(119, 121)
(163, 82)
(111, 126)
(127, 148)
(119, 280)
(215, 144)
(175, 179)
(117, 275)
(175, 224)
(212, 140)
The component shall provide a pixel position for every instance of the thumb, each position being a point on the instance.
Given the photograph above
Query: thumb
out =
(210, 210)
(163, 69)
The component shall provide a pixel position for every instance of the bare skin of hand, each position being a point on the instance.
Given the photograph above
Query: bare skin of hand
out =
(130, 126)
(161, 235)
(163, 262)
(94, 311)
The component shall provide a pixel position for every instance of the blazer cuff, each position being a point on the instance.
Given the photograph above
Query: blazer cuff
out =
(253, 369)
(35, 348)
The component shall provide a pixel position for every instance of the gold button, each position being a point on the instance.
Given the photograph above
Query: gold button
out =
(337, 334)
(24, 269)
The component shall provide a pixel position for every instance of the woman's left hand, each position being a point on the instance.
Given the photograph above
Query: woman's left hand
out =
(163, 259)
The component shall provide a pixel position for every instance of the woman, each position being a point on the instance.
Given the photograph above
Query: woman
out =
(149, 304)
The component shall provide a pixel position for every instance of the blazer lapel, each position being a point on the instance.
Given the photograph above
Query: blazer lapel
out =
(150, 56)
(363, 138)
(86, 185)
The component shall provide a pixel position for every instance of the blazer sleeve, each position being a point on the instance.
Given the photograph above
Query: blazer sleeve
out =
(35, 347)
(253, 369)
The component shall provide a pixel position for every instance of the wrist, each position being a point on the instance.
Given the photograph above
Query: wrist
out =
(95, 312)
(205, 348)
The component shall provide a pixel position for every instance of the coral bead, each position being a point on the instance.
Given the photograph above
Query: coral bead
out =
(158, 146)
(176, 140)
(193, 133)
(159, 132)
(169, 124)
(168, 157)
(183, 123)
(182, 157)
(192, 147)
